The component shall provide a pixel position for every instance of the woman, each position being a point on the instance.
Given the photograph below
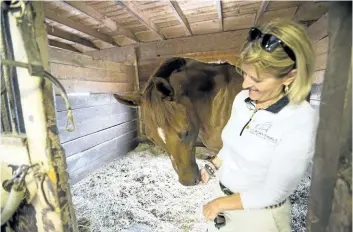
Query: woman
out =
(269, 139)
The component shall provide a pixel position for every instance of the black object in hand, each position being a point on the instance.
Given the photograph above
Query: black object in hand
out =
(220, 221)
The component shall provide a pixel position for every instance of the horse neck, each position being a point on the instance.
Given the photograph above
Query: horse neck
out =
(214, 113)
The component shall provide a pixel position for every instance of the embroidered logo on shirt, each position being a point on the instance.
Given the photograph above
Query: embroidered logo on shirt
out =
(263, 127)
(261, 131)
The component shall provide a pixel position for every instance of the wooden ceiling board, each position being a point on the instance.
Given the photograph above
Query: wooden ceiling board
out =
(278, 5)
(202, 18)
(239, 22)
(205, 27)
(168, 24)
(174, 31)
(287, 13)
(311, 11)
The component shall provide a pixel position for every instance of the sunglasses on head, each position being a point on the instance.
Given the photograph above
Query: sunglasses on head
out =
(269, 42)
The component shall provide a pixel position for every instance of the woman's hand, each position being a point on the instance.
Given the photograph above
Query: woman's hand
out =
(204, 176)
(211, 209)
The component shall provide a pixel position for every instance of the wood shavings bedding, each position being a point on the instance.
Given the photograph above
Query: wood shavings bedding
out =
(140, 192)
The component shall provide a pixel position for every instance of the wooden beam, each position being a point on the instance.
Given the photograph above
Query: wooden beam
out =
(318, 30)
(219, 11)
(261, 10)
(232, 40)
(130, 7)
(78, 26)
(327, 210)
(223, 41)
(54, 31)
(180, 15)
(65, 46)
(90, 11)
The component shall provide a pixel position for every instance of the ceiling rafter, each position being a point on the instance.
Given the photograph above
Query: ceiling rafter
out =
(50, 14)
(54, 31)
(65, 46)
(143, 17)
(261, 10)
(180, 16)
(107, 22)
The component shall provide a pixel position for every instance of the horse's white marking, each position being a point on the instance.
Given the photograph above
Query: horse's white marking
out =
(161, 134)
(175, 166)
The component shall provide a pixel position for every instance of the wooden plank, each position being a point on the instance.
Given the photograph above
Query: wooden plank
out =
(176, 31)
(239, 22)
(180, 16)
(321, 46)
(90, 11)
(61, 45)
(69, 72)
(286, 13)
(205, 27)
(54, 31)
(321, 61)
(59, 56)
(200, 43)
(278, 5)
(261, 10)
(83, 101)
(74, 86)
(311, 11)
(219, 12)
(318, 30)
(81, 159)
(78, 26)
(232, 40)
(141, 16)
(86, 114)
(96, 124)
(331, 132)
(121, 55)
(89, 141)
(83, 172)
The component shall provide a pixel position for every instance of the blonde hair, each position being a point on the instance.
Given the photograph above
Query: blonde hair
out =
(278, 62)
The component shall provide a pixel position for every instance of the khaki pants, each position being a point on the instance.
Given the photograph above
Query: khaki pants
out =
(258, 220)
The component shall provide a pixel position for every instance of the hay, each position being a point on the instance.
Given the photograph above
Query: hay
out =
(140, 192)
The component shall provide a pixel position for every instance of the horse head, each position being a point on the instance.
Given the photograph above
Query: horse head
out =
(168, 110)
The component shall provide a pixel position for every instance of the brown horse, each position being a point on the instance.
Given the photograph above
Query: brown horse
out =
(182, 100)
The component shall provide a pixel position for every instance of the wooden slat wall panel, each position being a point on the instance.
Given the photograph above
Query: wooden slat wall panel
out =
(74, 86)
(81, 159)
(83, 73)
(105, 129)
(78, 102)
(96, 124)
(81, 173)
(86, 114)
(89, 141)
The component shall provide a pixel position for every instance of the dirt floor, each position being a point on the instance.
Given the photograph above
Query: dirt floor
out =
(140, 193)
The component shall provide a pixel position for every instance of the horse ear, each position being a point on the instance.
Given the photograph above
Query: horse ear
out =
(164, 88)
(132, 99)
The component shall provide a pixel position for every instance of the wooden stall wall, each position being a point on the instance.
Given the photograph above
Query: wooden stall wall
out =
(105, 129)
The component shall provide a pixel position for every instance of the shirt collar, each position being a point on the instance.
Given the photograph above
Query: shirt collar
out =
(276, 107)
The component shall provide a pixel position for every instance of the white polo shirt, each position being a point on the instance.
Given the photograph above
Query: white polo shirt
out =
(266, 160)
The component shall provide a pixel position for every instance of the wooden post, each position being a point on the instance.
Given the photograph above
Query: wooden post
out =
(140, 134)
(330, 204)
(50, 207)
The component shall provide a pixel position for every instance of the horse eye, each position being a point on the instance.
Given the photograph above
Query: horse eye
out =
(183, 135)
